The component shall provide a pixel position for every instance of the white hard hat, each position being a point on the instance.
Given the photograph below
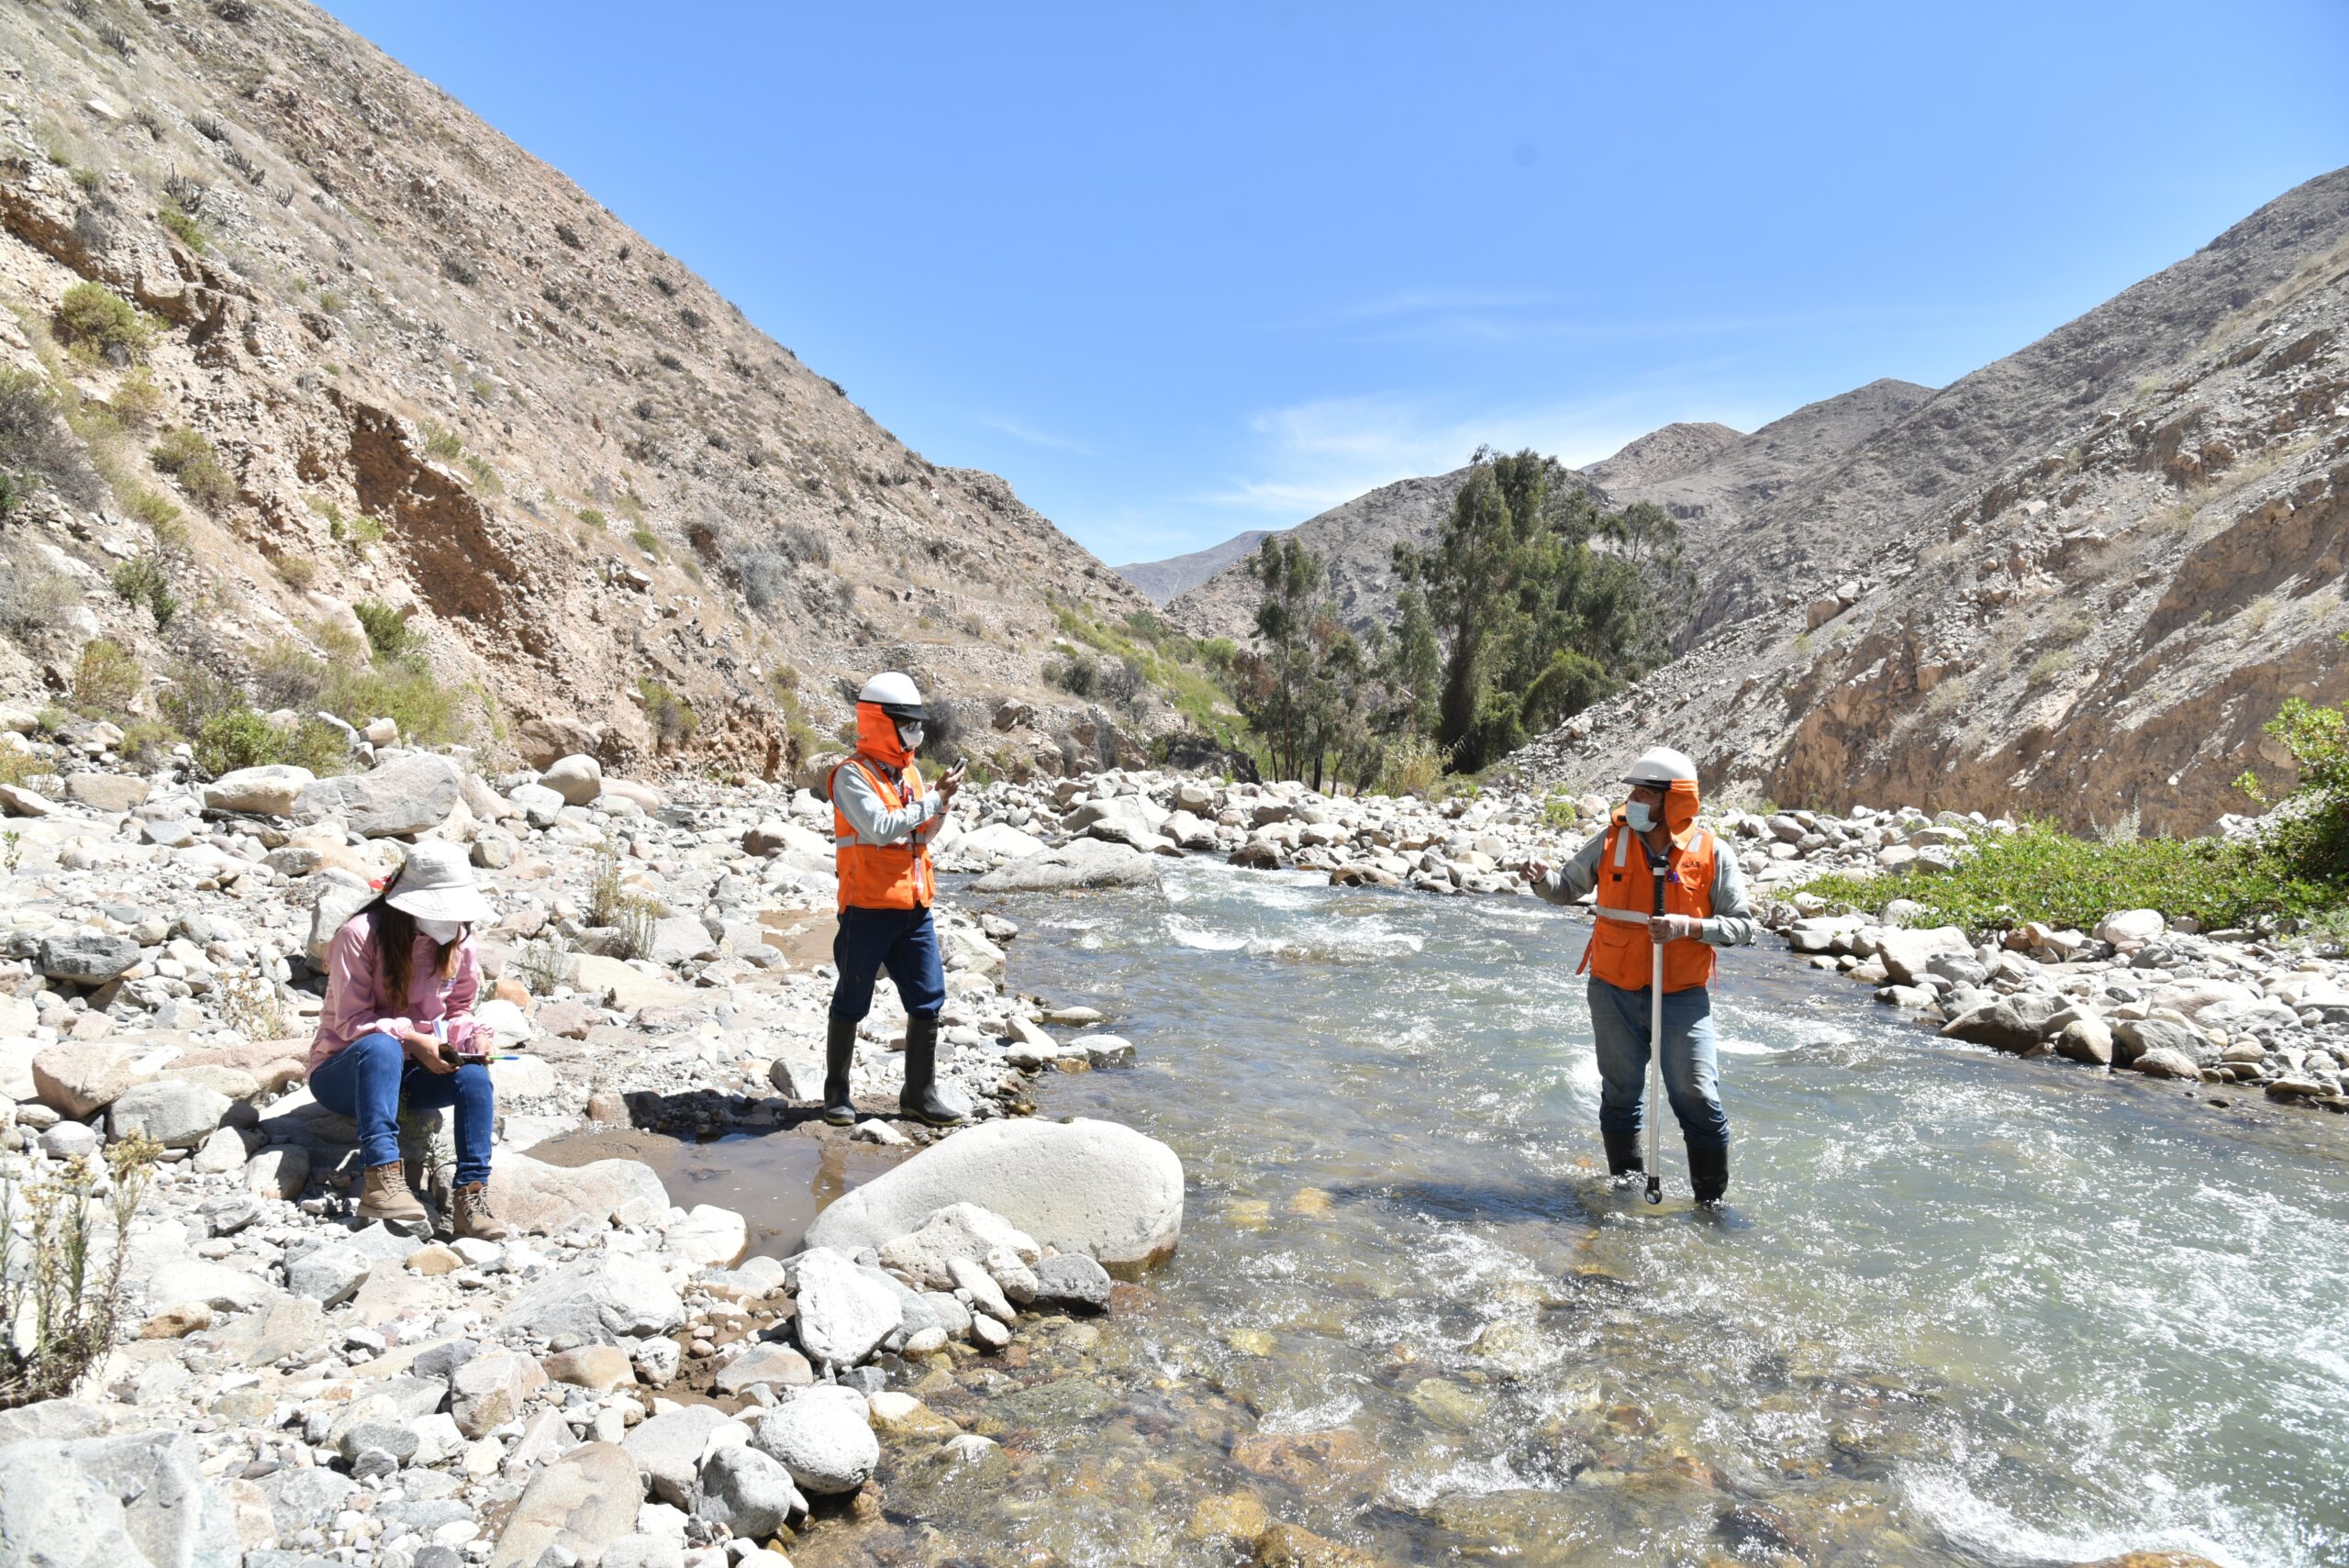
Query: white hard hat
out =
(896, 695)
(1659, 766)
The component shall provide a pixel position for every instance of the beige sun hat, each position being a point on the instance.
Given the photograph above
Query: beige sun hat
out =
(437, 884)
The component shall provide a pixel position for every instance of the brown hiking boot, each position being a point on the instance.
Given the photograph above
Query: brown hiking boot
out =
(470, 1215)
(385, 1194)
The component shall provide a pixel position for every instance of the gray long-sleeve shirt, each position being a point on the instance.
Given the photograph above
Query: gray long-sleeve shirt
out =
(1731, 923)
(875, 824)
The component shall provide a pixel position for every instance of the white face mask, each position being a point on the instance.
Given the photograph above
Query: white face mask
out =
(910, 737)
(443, 931)
(1638, 817)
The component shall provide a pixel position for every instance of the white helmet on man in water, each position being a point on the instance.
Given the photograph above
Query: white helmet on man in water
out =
(1659, 766)
(896, 695)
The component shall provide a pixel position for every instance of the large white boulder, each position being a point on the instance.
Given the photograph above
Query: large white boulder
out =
(959, 1230)
(1080, 1186)
(578, 779)
(1906, 953)
(1082, 862)
(604, 1299)
(844, 1313)
(534, 1195)
(2129, 929)
(268, 791)
(409, 795)
(823, 1436)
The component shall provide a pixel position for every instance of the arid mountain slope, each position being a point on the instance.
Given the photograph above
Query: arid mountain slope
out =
(1661, 454)
(1728, 496)
(1160, 581)
(588, 469)
(2076, 583)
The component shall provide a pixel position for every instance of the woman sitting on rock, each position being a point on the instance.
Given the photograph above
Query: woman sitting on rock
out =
(401, 979)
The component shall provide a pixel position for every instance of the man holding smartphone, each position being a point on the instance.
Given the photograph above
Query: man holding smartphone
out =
(882, 822)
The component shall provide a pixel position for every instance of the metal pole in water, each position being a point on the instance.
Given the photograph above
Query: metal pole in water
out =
(1657, 870)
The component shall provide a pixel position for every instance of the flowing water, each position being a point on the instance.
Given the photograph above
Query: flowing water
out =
(1984, 1312)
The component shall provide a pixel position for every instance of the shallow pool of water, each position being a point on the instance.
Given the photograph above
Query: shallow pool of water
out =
(1986, 1311)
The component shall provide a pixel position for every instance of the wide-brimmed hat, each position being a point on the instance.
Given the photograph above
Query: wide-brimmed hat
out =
(437, 884)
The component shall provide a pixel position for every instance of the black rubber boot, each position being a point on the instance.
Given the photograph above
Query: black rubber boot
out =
(1708, 1173)
(1623, 1153)
(922, 1099)
(839, 1050)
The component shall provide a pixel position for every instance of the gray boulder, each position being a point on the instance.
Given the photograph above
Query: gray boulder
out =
(2133, 1038)
(2013, 1023)
(331, 1274)
(1078, 1186)
(134, 1501)
(747, 1493)
(667, 1450)
(305, 1498)
(175, 1112)
(340, 897)
(86, 958)
(603, 1298)
(409, 795)
(823, 1436)
(582, 1503)
(1074, 1283)
(1083, 862)
(844, 1313)
(539, 805)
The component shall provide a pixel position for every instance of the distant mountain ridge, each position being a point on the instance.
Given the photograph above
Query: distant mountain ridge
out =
(1160, 581)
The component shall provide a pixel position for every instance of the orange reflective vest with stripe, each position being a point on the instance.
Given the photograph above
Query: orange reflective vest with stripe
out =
(1620, 951)
(881, 876)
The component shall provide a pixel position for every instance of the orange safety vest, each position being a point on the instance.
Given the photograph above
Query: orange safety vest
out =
(881, 876)
(1620, 951)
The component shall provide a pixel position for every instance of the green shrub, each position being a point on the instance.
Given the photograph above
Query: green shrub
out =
(142, 580)
(146, 740)
(33, 598)
(137, 400)
(60, 1281)
(187, 456)
(241, 737)
(107, 679)
(36, 443)
(429, 711)
(388, 629)
(592, 518)
(152, 507)
(190, 232)
(646, 541)
(440, 443)
(604, 892)
(2041, 872)
(96, 318)
(484, 473)
(2313, 842)
(672, 719)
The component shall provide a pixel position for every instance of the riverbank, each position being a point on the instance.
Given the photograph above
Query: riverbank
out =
(314, 1375)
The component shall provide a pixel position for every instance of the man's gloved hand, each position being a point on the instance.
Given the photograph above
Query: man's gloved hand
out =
(1675, 927)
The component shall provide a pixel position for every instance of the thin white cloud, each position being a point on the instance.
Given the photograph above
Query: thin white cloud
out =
(1034, 437)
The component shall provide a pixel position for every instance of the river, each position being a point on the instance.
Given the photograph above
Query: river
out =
(1983, 1312)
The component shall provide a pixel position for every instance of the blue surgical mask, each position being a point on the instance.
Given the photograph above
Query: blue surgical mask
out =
(1640, 818)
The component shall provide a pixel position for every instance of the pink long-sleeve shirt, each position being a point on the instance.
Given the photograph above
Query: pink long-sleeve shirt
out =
(356, 1004)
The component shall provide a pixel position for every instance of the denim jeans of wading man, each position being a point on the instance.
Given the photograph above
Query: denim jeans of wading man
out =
(368, 1079)
(1618, 1020)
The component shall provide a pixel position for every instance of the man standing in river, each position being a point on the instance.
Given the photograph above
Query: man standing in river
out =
(882, 822)
(1705, 907)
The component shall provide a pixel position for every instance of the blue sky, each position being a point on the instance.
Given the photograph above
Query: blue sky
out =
(1178, 271)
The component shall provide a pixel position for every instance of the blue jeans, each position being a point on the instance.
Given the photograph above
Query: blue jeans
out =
(1692, 1078)
(906, 940)
(366, 1081)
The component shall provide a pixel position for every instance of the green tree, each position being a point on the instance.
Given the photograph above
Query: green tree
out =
(1275, 691)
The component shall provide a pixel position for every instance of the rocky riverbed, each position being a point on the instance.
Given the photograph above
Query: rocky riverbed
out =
(621, 1383)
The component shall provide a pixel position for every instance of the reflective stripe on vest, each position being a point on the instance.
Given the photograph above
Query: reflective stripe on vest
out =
(1619, 951)
(881, 876)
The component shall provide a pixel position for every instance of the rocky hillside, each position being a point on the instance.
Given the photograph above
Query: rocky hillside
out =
(1726, 496)
(390, 358)
(1663, 454)
(2076, 583)
(1160, 581)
